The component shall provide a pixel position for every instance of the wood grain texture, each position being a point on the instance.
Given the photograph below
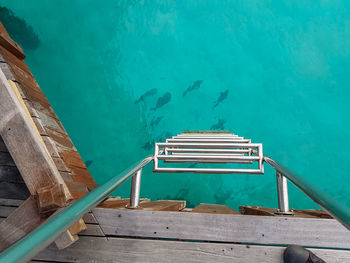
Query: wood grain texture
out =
(214, 209)
(13, 190)
(19, 223)
(163, 205)
(24, 143)
(94, 249)
(5, 211)
(266, 211)
(10, 202)
(223, 228)
(12, 46)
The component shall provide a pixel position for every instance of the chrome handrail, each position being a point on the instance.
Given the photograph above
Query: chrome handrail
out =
(330, 204)
(44, 235)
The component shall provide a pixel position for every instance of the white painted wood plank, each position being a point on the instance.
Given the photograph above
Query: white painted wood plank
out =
(224, 228)
(95, 249)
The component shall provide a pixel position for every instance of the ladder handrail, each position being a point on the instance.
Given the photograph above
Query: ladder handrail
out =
(44, 235)
(29, 246)
(330, 204)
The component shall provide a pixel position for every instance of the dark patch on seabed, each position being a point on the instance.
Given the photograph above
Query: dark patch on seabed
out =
(19, 30)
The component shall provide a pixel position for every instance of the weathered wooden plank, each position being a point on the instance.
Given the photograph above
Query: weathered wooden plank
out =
(10, 174)
(10, 202)
(214, 209)
(78, 227)
(39, 126)
(77, 189)
(72, 158)
(82, 175)
(51, 122)
(24, 143)
(224, 228)
(266, 211)
(45, 119)
(12, 46)
(5, 211)
(19, 223)
(163, 205)
(92, 230)
(12, 190)
(11, 58)
(7, 72)
(65, 239)
(89, 218)
(116, 202)
(94, 249)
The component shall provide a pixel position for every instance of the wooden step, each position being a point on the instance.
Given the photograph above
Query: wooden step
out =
(118, 203)
(163, 205)
(266, 211)
(214, 209)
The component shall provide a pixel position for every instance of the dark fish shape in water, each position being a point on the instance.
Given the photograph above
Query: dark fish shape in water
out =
(219, 125)
(223, 96)
(163, 100)
(146, 94)
(155, 121)
(148, 145)
(194, 86)
(88, 163)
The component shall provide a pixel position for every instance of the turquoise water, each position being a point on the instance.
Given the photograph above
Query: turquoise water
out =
(285, 64)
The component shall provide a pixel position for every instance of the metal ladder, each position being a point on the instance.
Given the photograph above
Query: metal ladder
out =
(211, 148)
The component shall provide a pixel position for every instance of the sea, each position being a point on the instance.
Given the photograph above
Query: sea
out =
(283, 65)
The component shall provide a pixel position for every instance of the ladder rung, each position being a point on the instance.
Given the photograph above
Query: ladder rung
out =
(209, 170)
(208, 157)
(219, 151)
(241, 144)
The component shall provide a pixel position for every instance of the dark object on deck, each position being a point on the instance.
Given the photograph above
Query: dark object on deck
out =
(298, 254)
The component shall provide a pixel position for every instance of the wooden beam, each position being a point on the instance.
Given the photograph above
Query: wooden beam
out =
(96, 249)
(223, 228)
(9, 44)
(25, 144)
(65, 240)
(20, 223)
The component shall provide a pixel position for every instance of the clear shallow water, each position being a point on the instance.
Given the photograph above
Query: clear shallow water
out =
(286, 66)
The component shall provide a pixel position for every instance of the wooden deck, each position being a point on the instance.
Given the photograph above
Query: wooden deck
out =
(186, 235)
